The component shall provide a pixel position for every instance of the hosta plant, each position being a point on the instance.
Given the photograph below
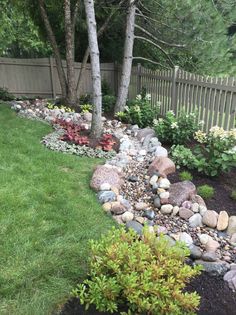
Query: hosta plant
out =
(144, 276)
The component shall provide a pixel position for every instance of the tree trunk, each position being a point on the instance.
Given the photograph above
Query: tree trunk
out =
(96, 129)
(69, 34)
(127, 60)
(52, 40)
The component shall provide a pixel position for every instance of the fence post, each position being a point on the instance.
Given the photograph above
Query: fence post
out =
(139, 75)
(174, 100)
(51, 62)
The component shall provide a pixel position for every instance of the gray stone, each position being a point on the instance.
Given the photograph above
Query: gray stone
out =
(223, 221)
(153, 180)
(195, 252)
(126, 204)
(154, 188)
(166, 209)
(150, 214)
(160, 151)
(186, 238)
(126, 145)
(209, 256)
(185, 213)
(202, 210)
(211, 245)
(195, 207)
(105, 186)
(204, 238)
(117, 208)
(146, 140)
(136, 226)
(133, 179)
(181, 191)
(157, 202)
(217, 268)
(195, 220)
(230, 278)
(175, 211)
(106, 196)
(210, 218)
(142, 133)
(232, 225)
(169, 240)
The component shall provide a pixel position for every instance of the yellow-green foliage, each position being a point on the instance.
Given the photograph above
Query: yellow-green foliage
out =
(86, 108)
(65, 108)
(146, 275)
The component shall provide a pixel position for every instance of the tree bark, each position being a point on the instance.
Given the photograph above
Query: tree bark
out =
(96, 128)
(86, 54)
(127, 60)
(69, 37)
(52, 40)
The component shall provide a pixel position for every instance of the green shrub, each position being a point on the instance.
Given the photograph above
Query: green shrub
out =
(206, 191)
(106, 89)
(215, 152)
(108, 103)
(148, 276)
(233, 194)
(183, 156)
(139, 111)
(5, 95)
(185, 175)
(176, 130)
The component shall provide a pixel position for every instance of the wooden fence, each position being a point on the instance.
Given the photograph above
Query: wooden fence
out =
(214, 99)
(38, 77)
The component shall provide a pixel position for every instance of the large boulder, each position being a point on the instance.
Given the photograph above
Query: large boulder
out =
(181, 191)
(162, 165)
(106, 175)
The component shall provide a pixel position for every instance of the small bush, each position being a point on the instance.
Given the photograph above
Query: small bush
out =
(183, 156)
(147, 276)
(5, 95)
(233, 194)
(106, 89)
(108, 103)
(139, 111)
(185, 175)
(176, 130)
(206, 191)
(86, 108)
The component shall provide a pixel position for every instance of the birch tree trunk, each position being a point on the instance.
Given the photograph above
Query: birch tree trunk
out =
(96, 128)
(127, 59)
(52, 40)
(69, 37)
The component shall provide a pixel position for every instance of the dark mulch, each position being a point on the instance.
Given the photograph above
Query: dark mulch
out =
(216, 298)
(223, 186)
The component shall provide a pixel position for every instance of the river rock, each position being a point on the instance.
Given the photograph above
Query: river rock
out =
(106, 175)
(160, 151)
(136, 226)
(223, 221)
(127, 216)
(217, 268)
(166, 209)
(105, 186)
(195, 252)
(198, 199)
(233, 238)
(181, 191)
(150, 214)
(160, 229)
(211, 245)
(202, 210)
(187, 204)
(209, 256)
(106, 206)
(164, 183)
(139, 206)
(157, 202)
(186, 238)
(175, 211)
(204, 238)
(195, 220)
(232, 225)
(230, 278)
(185, 213)
(195, 207)
(117, 208)
(126, 204)
(142, 133)
(210, 218)
(164, 195)
(153, 180)
(106, 196)
(162, 165)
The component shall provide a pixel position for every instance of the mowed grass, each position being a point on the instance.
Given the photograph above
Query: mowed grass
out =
(47, 215)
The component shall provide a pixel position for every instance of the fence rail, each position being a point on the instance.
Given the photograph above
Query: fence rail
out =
(214, 99)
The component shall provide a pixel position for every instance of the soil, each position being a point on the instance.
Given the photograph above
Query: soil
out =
(216, 298)
(223, 186)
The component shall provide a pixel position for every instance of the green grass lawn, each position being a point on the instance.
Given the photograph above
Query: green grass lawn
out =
(47, 215)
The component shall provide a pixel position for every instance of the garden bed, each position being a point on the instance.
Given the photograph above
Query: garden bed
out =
(223, 186)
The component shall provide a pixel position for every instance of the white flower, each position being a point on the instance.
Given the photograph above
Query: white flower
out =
(155, 122)
(201, 122)
(174, 125)
(160, 120)
(148, 97)
(171, 112)
(139, 97)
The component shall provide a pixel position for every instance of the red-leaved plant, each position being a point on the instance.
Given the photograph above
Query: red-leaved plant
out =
(107, 142)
